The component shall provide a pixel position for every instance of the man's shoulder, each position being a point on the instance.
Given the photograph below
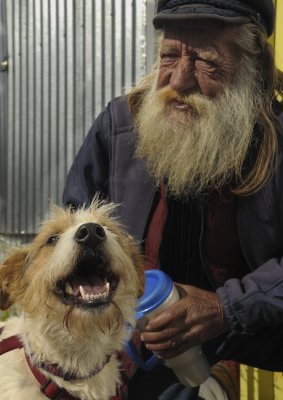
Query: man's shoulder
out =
(114, 118)
(120, 113)
(120, 101)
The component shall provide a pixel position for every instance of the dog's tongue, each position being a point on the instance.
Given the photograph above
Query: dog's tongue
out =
(93, 284)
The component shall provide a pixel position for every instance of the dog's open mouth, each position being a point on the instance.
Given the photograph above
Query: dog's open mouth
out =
(91, 284)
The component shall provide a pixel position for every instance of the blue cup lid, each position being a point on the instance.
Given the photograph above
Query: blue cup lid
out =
(158, 286)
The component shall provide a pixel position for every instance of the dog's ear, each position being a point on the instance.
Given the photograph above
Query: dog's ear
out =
(11, 274)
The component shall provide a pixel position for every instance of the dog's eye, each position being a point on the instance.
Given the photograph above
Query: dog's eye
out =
(52, 239)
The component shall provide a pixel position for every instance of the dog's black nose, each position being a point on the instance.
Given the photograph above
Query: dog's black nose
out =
(90, 234)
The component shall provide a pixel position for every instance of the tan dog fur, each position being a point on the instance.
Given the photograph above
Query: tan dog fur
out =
(77, 339)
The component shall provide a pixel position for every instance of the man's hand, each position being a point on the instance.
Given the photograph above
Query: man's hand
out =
(196, 318)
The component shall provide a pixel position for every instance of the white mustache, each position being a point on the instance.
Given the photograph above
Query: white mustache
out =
(211, 142)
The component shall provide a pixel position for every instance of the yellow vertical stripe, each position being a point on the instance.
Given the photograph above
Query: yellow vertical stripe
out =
(278, 36)
(278, 385)
(246, 383)
(256, 384)
(265, 385)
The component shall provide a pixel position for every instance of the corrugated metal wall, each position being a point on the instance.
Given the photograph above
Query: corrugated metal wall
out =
(66, 60)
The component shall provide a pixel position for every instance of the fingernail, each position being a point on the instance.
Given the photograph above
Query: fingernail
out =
(142, 338)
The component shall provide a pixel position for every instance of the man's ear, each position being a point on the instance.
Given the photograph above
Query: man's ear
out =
(11, 274)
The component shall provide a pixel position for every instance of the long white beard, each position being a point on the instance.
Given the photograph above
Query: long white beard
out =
(202, 147)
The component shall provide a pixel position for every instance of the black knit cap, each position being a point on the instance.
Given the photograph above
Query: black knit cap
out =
(260, 12)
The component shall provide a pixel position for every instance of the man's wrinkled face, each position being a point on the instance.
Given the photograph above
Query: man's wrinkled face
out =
(199, 59)
(196, 121)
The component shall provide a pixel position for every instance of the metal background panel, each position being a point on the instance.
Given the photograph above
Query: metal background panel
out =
(3, 109)
(67, 59)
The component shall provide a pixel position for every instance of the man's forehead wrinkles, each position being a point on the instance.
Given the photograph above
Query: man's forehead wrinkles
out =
(169, 47)
(210, 51)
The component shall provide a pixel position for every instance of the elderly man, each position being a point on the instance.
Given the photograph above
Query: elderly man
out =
(193, 157)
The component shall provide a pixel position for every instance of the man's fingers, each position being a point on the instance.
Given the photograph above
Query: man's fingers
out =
(158, 341)
(173, 346)
(164, 335)
(168, 316)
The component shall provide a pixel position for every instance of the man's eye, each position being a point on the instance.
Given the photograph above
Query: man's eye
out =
(212, 63)
(52, 239)
(168, 56)
(207, 61)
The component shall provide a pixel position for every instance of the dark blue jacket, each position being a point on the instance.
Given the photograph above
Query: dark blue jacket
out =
(253, 306)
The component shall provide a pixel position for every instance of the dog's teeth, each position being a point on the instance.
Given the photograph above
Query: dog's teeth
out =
(68, 288)
(105, 290)
(82, 291)
(92, 297)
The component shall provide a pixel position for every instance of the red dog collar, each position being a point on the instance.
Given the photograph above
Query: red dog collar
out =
(47, 386)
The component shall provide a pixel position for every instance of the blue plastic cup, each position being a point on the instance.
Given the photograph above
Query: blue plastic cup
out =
(191, 367)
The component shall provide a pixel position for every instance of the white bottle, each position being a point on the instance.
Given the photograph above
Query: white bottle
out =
(190, 367)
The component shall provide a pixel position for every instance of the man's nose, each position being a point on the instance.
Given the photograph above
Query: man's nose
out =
(183, 77)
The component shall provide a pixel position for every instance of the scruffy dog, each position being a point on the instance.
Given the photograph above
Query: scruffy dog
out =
(76, 287)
